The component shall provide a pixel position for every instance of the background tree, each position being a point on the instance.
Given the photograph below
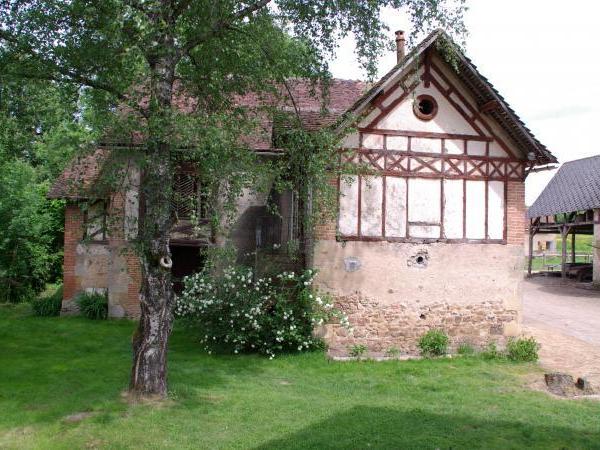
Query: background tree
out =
(39, 132)
(142, 54)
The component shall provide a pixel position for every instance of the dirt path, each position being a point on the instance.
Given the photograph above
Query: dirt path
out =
(565, 320)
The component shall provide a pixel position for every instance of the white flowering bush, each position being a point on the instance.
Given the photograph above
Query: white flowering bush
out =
(239, 312)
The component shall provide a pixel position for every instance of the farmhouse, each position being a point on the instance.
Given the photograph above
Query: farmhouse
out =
(430, 238)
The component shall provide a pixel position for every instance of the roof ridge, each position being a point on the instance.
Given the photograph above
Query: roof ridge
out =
(580, 159)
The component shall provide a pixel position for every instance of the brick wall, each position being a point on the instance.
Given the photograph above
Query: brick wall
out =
(73, 235)
(516, 222)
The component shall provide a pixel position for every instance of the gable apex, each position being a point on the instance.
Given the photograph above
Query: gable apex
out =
(488, 101)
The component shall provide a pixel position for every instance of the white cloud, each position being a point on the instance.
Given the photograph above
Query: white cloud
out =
(541, 55)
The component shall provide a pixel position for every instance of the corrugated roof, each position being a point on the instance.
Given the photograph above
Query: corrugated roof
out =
(575, 187)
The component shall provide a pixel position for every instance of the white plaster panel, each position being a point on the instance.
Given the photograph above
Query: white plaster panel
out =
(426, 145)
(440, 80)
(447, 119)
(395, 207)
(397, 143)
(453, 209)
(424, 200)
(476, 148)
(425, 231)
(348, 218)
(497, 151)
(495, 209)
(393, 96)
(369, 117)
(374, 141)
(482, 127)
(351, 141)
(455, 146)
(475, 209)
(371, 202)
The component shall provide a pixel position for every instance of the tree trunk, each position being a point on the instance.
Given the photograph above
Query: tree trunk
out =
(149, 370)
(150, 342)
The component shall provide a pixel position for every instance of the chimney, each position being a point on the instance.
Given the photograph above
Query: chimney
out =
(400, 41)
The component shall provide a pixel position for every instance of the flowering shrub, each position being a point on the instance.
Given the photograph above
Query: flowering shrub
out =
(268, 315)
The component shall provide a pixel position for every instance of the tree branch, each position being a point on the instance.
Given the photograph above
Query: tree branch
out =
(220, 25)
(55, 72)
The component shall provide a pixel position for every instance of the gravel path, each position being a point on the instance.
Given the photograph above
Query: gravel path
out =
(565, 319)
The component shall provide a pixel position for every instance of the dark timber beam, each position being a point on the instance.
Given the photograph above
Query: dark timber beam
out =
(563, 233)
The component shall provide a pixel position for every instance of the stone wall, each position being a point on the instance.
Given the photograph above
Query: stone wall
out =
(394, 292)
(400, 325)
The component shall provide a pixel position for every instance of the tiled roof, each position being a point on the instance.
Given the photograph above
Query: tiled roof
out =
(339, 103)
(575, 187)
(317, 107)
(75, 182)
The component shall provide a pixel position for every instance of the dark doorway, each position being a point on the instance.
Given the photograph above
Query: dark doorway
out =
(186, 260)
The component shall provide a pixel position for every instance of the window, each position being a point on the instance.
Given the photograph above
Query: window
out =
(94, 218)
(189, 198)
(425, 107)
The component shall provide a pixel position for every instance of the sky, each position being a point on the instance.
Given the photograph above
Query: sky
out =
(542, 56)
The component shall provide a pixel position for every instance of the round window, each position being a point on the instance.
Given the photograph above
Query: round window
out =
(425, 107)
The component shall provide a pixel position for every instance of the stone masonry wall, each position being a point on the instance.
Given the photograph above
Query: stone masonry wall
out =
(400, 325)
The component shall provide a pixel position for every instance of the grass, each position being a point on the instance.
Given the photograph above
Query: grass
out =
(583, 246)
(54, 367)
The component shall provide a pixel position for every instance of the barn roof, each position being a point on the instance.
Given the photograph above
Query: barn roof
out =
(575, 187)
(480, 87)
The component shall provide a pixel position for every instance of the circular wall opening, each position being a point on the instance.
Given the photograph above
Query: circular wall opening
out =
(420, 260)
(425, 107)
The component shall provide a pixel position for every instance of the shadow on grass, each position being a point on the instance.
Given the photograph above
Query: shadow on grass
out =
(373, 427)
(51, 367)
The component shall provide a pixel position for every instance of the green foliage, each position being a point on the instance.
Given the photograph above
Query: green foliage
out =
(522, 349)
(434, 343)
(491, 352)
(50, 305)
(238, 312)
(465, 349)
(38, 134)
(93, 305)
(358, 350)
(392, 352)
(28, 226)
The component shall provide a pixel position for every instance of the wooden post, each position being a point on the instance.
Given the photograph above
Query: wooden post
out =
(573, 255)
(564, 231)
(544, 259)
(530, 256)
(596, 249)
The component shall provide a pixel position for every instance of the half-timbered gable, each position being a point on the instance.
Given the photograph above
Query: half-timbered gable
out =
(440, 165)
(431, 235)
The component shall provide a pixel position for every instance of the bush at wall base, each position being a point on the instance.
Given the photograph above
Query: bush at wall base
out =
(93, 305)
(434, 343)
(236, 310)
(48, 306)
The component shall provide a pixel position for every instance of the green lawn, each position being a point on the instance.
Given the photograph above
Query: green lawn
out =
(52, 368)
